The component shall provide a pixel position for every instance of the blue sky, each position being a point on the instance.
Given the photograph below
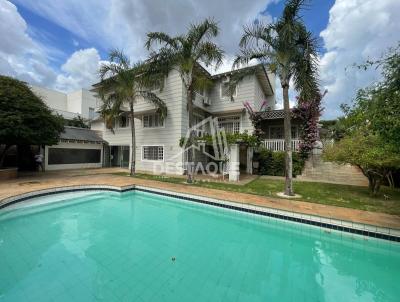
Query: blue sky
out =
(315, 14)
(60, 44)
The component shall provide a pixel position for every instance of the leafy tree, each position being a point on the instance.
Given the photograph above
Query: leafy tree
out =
(24, 117)
(376, 109)
(372, 125)
(122, 85)
(78, 121)
(369, 152)
(185, 53)
(290, 51)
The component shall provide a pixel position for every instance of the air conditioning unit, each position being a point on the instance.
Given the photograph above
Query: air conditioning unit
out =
(206, 101)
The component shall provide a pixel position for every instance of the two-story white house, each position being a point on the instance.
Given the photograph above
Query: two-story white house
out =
(157, 141)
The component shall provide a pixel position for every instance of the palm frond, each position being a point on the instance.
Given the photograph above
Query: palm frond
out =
(208, 53)
(161, 39)
(152, 98)
(203, 31)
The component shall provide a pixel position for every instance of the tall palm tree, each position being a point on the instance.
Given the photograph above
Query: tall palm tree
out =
(185, 53)
(121, 85)
(290, 51)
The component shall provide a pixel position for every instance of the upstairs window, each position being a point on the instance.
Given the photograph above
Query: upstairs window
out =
(152, 121)
(123, 121)
(153, 153)
(224, 90)
(231, 124)
(91, 113)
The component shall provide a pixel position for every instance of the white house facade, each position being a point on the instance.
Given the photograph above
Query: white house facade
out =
(157, 141)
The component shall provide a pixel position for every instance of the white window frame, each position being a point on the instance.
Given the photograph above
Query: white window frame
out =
(91, 113)
(153, 114)
(128, 123)
(227, 97)
(231, 116)
(152, 160)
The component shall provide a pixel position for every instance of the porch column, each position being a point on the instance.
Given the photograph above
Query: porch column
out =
(234, 160)
(249, 165)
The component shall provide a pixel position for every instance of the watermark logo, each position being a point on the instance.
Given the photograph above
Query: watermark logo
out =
(210, 149)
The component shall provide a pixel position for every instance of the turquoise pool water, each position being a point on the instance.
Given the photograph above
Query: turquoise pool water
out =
(138, 246)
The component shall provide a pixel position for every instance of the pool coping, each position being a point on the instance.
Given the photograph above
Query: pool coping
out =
(314, 220)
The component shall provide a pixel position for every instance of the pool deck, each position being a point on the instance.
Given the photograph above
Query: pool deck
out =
(40, 181)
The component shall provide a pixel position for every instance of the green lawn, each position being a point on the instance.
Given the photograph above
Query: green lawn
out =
(323, 193)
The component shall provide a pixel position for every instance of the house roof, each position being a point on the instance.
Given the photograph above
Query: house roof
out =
(80, 134)
(259, 71)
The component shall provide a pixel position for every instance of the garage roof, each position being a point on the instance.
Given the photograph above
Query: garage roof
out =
(80, 134)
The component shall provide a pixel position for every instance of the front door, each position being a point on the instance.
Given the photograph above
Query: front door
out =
(125, 157)
(119, 156)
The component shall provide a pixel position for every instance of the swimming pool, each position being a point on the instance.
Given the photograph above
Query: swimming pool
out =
(138, 246)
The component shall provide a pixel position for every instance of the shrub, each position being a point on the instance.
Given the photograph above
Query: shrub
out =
(273, 163)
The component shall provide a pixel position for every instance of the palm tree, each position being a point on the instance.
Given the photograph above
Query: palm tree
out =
(185, 53)
(121, 85)
(290, 51)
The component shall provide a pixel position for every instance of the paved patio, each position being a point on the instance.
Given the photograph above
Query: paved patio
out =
(37, 181)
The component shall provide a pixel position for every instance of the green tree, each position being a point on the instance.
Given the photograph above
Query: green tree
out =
(369, 152)
(78, 121)
(290, 51)
(376, 109)
(122, 85)
(185, 53)
(24, 117)
(371, 124)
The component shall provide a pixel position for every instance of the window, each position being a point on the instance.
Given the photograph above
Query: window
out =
(224, 90)
(156, 86)
(123, 121)
(66, 156)
(277, 132)
(231, 124)
(153, 153)
(91, 113)
(152, 121)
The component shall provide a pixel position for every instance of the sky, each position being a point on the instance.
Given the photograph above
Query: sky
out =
(61, 44)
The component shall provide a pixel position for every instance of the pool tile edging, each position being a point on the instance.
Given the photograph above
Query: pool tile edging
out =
(322, 222)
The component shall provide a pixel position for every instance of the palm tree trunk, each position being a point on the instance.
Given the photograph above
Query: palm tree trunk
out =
(191, 153)
(133, 148)
(288, 142)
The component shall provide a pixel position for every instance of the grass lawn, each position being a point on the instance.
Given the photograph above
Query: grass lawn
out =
(323, 193)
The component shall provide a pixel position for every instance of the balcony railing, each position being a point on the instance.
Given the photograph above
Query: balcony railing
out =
(279, 144)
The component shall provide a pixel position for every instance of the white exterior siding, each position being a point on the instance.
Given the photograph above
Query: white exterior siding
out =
(176, 122)
(167, 136)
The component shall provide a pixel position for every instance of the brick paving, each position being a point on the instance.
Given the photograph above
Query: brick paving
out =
(39, 181)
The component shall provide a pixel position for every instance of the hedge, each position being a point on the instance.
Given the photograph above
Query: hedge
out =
(273, 163)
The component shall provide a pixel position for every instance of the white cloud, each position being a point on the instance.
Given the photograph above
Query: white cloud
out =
(124, 23)
(22, 57)
(19, 54)
(117, 24)
(80, 70)
(357, 30)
